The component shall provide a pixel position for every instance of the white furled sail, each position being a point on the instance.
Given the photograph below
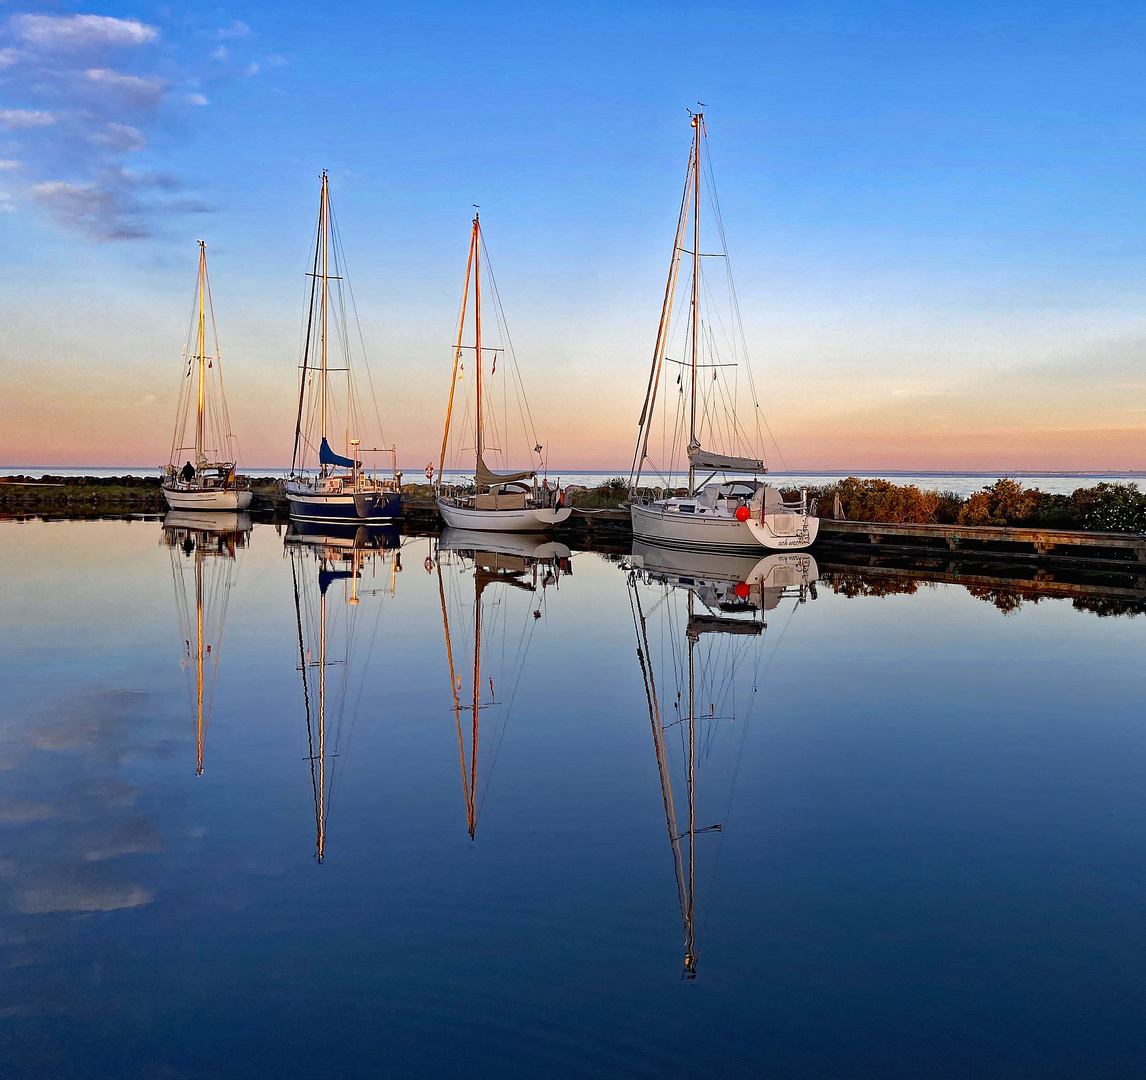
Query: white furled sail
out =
(706, 459)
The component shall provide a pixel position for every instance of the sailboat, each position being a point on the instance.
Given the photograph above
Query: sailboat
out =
(729, 514)
(325, 486)
(204, 549)
(500, 501)
(207, 479)
(511, 577)
(328, 575)
(701, 692)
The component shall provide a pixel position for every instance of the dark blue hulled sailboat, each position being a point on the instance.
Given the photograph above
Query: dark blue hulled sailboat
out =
(340, 489)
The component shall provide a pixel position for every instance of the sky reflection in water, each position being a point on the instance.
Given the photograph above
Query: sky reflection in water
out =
(929, 861)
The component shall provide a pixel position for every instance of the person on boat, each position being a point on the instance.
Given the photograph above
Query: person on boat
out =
(187, 472)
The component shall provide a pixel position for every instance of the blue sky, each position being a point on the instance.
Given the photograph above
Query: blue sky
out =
(935, 214)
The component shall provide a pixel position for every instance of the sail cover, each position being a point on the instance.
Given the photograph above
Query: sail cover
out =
(486, 476)
(328, 457)
(706, 459)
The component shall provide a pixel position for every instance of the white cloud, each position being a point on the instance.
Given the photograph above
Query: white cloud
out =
(131, 88)
(236, 29)
(121, 138)
(69, 896)
(8, 166)
(90, 90)
(25, 119)
(221, 53)
(81, 31)
(252, 68)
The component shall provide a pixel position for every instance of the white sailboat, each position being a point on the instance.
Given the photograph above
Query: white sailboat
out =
(325, 487)
(204, 549)
(499, 501)
(207, 479)
(726, 514)
(701, 692)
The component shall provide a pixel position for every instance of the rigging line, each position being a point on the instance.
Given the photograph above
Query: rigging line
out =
(305, 689)
(503, 326)
(305, 355)
(640, 626)
(736, 309)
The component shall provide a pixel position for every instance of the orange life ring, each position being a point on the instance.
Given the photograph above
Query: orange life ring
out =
(430, 471)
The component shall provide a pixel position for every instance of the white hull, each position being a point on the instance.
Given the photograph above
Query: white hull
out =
(717, 532)
(519, 521)
(207, 499)
(527, 547)
(217, 521)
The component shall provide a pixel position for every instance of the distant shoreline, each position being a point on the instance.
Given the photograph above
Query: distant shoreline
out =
(269, 470)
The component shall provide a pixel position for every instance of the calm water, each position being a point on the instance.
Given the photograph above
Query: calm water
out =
(895, 835)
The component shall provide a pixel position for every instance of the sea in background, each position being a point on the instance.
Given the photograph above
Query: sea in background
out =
(428, 812)
(959, 482)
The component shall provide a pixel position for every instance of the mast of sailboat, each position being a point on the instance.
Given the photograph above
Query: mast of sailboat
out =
(689, 920)
(324, 229)
(201, 351)
(472, 801)
(477, 337)
(684, 882)
(458, 349)
(313, 275)
(697, 123)
(198, 662)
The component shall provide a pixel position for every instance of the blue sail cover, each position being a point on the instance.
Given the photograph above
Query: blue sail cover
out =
(328, 457)
(326, 578)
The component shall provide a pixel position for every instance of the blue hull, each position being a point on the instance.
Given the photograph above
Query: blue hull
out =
(345, 508)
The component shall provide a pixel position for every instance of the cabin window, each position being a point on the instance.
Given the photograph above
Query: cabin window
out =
(687, 508)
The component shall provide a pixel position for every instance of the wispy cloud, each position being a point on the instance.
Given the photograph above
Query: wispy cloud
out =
(25, 119)
(236, 29)
(81, 94)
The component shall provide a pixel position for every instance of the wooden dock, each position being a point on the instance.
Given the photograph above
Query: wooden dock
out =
(991, 540)
(988, 541)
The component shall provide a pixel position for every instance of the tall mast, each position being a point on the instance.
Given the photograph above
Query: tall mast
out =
(477, 333)
(324, 229)
(477, 688)
(689, 918)
(199, 661)
(458, 351)
(320, 790)
(201, 350)
(697, 121)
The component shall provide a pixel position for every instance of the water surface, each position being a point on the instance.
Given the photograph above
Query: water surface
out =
(929, 860)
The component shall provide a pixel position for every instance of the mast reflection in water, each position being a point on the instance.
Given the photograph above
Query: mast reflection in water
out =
(204, 566)
(495, 629)
(702, 650)
(340, 575)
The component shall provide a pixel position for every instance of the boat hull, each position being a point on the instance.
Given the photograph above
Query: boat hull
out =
(527, 520)
(717, 533)
(225, 499)
(344, 507)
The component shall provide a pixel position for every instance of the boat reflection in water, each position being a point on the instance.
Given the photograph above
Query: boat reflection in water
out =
(699, 621)
(340, 576)
(493, 624)
(204, 564)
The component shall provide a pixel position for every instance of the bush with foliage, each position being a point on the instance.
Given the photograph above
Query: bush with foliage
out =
(1005, 502)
